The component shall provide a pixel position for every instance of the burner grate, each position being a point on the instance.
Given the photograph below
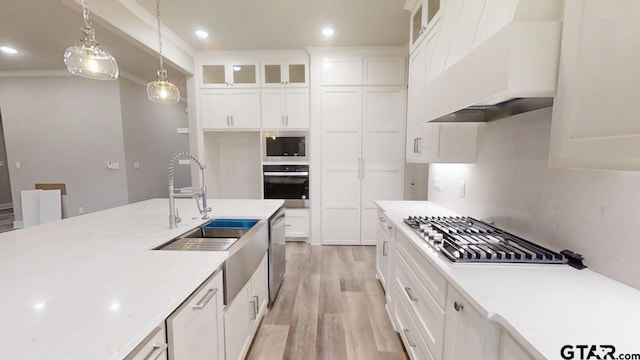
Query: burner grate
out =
(465, 239)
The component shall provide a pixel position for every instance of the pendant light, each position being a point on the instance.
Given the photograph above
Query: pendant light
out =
(88, 59)
(162, 90)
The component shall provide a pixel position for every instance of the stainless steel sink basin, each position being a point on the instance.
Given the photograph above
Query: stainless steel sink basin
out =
(200, 244)
(223, 228)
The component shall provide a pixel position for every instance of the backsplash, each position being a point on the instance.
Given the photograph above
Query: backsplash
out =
(592, 212)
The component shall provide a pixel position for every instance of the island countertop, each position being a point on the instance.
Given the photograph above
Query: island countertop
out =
(90, 287)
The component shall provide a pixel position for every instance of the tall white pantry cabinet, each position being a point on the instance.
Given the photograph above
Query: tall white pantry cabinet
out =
(363, 113)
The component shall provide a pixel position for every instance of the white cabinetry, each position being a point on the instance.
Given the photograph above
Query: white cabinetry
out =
(285, 73)
(243, 315)
(464, 329)
(342, 71)
(424, 14)
(297, 223)
(229, 109)
(384, 251)
(362, 145)
(510, 349)
(230, 74)
(447, 143)
(285, 108)
(595, 123)
(385, 70)
(195, 329)
(153, 347)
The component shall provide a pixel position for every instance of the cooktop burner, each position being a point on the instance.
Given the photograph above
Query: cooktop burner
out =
(464, 239)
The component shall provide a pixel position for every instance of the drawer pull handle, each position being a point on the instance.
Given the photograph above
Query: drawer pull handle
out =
(410, 294)
(257, 304)
(158, 349)
(409, 341)
(458, 306)
(384, 248)
(205, 299)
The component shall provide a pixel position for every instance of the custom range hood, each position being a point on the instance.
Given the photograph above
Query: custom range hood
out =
(509, 66)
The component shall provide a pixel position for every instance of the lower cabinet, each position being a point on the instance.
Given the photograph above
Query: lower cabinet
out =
(510, 349)
(195, 329)
(384, 244)
(153, 347)
(297, 223)
(464, 328)
(243, 315)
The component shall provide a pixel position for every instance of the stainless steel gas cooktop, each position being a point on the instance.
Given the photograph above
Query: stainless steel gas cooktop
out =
(464, 239)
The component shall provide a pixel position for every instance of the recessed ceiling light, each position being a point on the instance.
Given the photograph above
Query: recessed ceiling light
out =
(236, 68)
(8, 50)
(328, 31)
(202, 34)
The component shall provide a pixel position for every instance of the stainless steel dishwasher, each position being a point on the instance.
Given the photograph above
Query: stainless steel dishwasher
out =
(277, 253)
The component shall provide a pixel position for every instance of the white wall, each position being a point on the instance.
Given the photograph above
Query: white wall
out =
(62, 129)
(592, 212)
(151, 139)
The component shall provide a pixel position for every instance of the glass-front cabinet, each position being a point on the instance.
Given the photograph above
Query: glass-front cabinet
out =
(232, 74)
(289, 74)
(424, 14)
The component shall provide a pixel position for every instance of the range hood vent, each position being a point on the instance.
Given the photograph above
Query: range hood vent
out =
(486, 113)
(512, 70)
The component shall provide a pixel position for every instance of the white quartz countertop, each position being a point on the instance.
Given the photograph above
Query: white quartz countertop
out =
(543, 306)
(90, 287)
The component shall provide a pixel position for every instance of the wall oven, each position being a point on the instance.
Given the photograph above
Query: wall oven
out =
(288, 182)
(285, 146)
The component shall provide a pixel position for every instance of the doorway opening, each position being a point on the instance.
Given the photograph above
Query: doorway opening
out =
(6, 204)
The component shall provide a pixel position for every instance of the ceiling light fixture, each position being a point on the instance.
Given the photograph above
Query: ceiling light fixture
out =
(88, 59)
(162, 90)
(8, 50)
(328, 31)
(202, 34)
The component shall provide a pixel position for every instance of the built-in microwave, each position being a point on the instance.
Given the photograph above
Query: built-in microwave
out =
(285, 146)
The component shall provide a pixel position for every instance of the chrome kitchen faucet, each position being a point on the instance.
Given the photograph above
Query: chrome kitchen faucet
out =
(174, 219)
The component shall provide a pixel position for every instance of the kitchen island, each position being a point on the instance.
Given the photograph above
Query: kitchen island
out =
(90, 287)
(545, 308)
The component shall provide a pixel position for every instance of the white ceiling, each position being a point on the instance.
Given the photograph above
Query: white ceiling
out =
(42, 29)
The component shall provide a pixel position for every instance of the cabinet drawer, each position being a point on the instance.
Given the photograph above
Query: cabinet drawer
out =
(413, 342)
(430, 278)
(426, 313)
(153, 347)
(297, 223)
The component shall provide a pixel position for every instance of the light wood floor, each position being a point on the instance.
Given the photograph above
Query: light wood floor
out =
(6, 220)
(330, 306)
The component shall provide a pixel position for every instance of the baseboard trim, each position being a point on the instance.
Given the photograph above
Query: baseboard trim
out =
(6, 206)
(17, 224)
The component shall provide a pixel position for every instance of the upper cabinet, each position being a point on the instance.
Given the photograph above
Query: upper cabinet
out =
(230, 74)
(378, 70)
(595, 122)
(285, 74)
(424, 14)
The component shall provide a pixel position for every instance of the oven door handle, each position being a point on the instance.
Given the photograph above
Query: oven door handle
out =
(284, 173)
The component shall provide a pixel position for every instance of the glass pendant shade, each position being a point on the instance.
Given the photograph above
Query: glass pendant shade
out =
(88, 59)
(162, 91)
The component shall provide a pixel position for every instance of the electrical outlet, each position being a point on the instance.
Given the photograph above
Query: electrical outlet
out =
(18, 165)
(462, 188)
(136, 165)
(437, 184)
(80, 210)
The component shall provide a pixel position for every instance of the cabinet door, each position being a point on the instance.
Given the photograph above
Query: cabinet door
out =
(214, 75)
(245, 109)
(382, 153)
(273, 111)
(464, 328)
(297, 109)
(297, 223)
(214, 109)
(259, 293)
(195, 329)
(511, 350)
(382, 252)
(448, 25)
(153, 347)
(242, 74)
(346, 71)
(273, 74)
(237, 319)
(595, 123)
(417, 76)
(297, 74)
(341, 165)
(385, 71)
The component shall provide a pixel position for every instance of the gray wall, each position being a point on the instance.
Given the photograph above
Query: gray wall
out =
(5, 186)
(589, 211)
(150, 138)
(63, 129)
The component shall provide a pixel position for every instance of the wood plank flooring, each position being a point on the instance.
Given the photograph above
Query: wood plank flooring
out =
(6, 220)
(330, 306)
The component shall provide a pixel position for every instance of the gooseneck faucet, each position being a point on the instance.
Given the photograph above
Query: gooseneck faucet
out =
(174, 219)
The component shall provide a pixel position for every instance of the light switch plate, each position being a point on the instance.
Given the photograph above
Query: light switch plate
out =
(136, 165)
(437, 184)
(462, 189)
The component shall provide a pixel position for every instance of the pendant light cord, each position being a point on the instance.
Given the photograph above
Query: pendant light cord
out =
(85, 14)
(159, 34)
